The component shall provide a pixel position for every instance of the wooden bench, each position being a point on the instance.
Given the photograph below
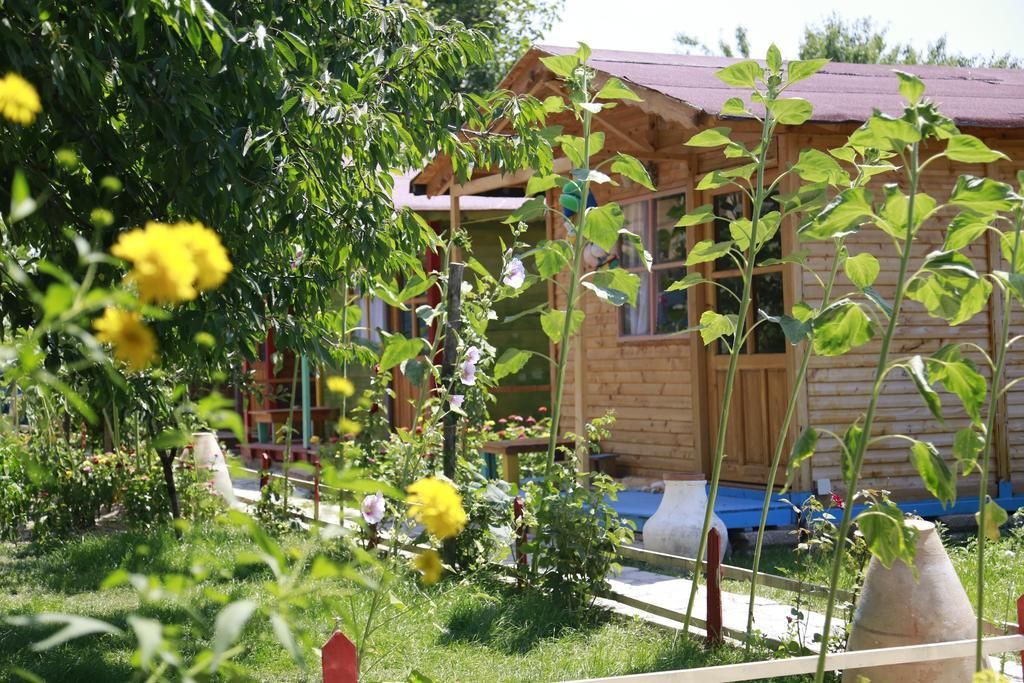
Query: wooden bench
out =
(267, 420)
(511, 449)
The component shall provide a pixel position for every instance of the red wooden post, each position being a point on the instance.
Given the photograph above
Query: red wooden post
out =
(316, 488)
(1020, 621)
(264, 470)
(517, 507)
(339, 659)
(714, 583)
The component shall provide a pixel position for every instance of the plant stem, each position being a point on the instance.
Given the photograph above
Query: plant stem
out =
(983, 465)
(570, 307)
(738, 341)
(779, 446)
(857, 458)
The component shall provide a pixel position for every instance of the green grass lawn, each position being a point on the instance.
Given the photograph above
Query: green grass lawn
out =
(460, 630)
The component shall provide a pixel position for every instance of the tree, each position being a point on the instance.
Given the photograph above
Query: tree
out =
(741, 49)
(510, 25)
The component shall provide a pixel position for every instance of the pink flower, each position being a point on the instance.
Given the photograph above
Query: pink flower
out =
(467, 373)
(87, 469)
(542, 410)
(531, 420)
(373, 508)
(515, 274)
(837, 501)
(502, 421)
(455, 401)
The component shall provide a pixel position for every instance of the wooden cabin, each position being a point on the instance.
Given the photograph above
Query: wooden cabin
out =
(665, 387)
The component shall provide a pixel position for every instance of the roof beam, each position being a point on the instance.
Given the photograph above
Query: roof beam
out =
(498, 180)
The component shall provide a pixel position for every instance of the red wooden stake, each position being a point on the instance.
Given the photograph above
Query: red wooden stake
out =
(1020, 621)
(714, 583)
(316, 489)
(264, 470)
(339, 660)
(517, 508)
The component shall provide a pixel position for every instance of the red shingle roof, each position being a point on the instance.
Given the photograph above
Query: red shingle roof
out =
(839, 92)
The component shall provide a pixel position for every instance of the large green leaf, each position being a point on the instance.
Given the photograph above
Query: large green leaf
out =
(953, 297)
(958, 376)
(971, 150)
(885, 133)
(911, 87)
(995, 517)
(398, 349)
(702, 214)
(982, 195)
(798, 70)
(553, 321)
(637, 244)
(551, 256)
(615, 285)
(1007, 240)
(685, 283)
(706, 250)
(844, 213)
(896, 209)
(711, 137)
(631, 168)
(966, 227)
(615, 89)
(561, 65)
(916, 369)
(817, 167)
(792, 111)
(510, 362)
(73, 626)
(803, 448)
(862, 269)
(228, 627)
(935, 473)
(887, 535)
(715, 325)
(840, 327)
(603, 224)
(852, 441)
(967, 444)
(744, 74)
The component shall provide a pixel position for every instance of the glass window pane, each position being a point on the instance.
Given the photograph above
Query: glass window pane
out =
(727, 305)
(768, 337)
(671, 305)
(773, 247)
(727, 207)
(669, 241)
(636, 320)
(636, 221)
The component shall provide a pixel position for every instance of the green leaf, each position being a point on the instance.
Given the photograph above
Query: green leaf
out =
(149, 635)
(58, 298)
(817, 167)
(551, 256)
(540, 183)
(798, 256)
(982, 195)
(953, 297)
(715, 325)
(1006, 244)
(510, 362)
(706, 250)
(398, 349)
(228, 626)
(72, 627)
(971, 150)
(840, 327)
(615, 89)
(792, 111)
(803, 448)
(615, 285)
(967, 445)
(22, 204)
(638, 247)
(702, 214)
(852, 442)
(995, 517)
(916, 369)
(887, 535)
(958, 376)
(553, 321)
(843, 214)
(711, 137)
(734, 107)
(686, 282)
(911, 87)
(896, 208)
(418, 677)
(283, 633)
(529, 210)
(631, 168)
(935, 473)
(602, 225)
(774, 58)
(741, 74)
(561, 65)
(885, 133)
(862, 270)
(965, 228)
(798, 70)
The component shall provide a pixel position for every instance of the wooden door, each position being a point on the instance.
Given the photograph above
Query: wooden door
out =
(761, 388)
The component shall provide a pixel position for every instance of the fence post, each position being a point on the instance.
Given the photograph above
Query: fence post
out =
(714, 588)
(338, 659)
(264, 470)
(316, 488)
(518, 510)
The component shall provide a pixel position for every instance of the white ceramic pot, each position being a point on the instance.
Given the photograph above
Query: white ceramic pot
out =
(896, 609)
(675, 527)
(210, 458)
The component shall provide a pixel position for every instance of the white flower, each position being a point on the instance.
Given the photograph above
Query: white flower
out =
(467, 373)
(473, 355)
(455, 400)
(515, 274)
(373, 508)
(261, 36)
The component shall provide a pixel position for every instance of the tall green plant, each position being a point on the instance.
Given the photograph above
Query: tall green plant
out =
(945, 282)
(749, 236)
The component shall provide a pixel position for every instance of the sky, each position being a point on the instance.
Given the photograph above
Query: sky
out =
(973, 26)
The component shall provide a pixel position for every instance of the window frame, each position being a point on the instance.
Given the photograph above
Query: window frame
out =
(651, 201)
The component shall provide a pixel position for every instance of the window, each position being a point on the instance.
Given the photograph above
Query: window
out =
(657, 311)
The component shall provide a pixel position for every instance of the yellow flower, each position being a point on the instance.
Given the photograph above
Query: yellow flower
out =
(162, 266)
(341, 385)
(347, 426)
(19, 101)
(133, 342)
(429, 564)
(210, 256)
(438, 506)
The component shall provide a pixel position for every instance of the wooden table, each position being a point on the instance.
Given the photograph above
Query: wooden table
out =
(511, 449)
(279, 416)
